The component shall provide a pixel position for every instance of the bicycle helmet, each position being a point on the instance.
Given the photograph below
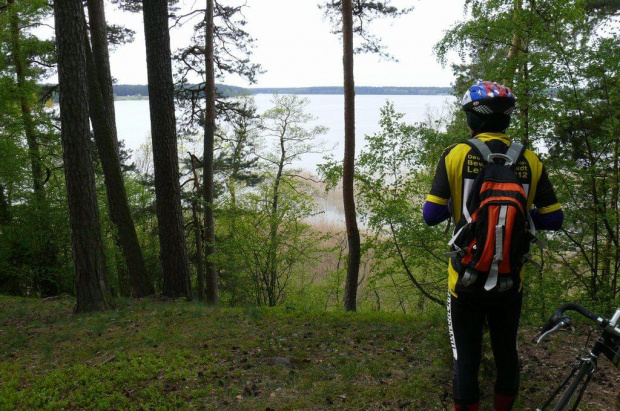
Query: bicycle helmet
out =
(486, 97)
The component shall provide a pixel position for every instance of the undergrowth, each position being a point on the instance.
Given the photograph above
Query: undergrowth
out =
(177, 355)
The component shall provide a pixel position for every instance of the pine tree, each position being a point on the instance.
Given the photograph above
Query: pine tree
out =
(176, 281)
(91, 280)
(101, 104)
(342, 14)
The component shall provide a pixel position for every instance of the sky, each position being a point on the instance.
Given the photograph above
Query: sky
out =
(295, 46)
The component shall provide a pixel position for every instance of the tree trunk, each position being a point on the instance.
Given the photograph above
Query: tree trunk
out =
(5, 213)
(176, 281)
(45, 257)
(91, 279)
(209, 128)
(101, 104)
(99, 39)
(198, 232)
(348, 168)
(271, 279)
(26, 110)
(515, 47)
(616, 212)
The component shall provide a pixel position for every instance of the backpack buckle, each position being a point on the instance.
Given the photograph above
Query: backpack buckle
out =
(469, 277)
(507, 160)
(504, 284)
(458, 252)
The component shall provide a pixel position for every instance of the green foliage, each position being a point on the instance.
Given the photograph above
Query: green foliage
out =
(393, 175)
(262, 252)
(35, 258)
(364, 13)
(165, 355)
(562, 60)
(236, 144)
(265, 241)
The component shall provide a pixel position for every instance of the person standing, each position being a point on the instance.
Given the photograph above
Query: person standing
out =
(489, 185)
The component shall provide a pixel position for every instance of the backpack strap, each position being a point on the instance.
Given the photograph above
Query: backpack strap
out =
(481, 148)
(515, 151)
(499, 249)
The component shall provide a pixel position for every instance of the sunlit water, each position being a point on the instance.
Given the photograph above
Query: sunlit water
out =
(133, 121)
(133, 124)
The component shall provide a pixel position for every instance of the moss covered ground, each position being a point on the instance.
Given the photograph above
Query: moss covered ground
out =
(152, 354)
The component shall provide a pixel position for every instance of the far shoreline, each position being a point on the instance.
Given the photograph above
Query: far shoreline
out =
(145, 98)
(140, 91)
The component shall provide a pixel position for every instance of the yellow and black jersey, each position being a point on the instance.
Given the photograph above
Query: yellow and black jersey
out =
(459, 166)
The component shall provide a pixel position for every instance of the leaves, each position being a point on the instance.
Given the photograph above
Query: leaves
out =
(364, 13)
(565, 77)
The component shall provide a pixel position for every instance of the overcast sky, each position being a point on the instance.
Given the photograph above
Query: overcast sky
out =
(294, 44)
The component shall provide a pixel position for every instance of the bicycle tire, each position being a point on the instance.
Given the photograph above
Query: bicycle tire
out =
(584, 369)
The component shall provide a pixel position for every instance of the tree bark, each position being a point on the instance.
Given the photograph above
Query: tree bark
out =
(176, 281)
(348, 168)
(101, 105)
(198, 232)
(271, 277)
(45, 257)
(91, 279)
(99, 40)
(209, 128)
(516, 45)
(26, 109)
(5, 213)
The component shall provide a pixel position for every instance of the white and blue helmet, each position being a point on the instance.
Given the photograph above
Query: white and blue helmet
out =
(486, 97)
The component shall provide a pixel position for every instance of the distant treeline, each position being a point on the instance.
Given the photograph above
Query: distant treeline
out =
(358, 90)
(123, 90)
(131, 90)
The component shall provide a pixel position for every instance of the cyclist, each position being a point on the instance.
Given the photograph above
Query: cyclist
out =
(488, 106)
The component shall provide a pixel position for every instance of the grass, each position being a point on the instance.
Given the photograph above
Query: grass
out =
(170, 355)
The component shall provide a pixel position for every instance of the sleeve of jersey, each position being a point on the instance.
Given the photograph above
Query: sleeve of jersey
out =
(545, 199)
(440, 190)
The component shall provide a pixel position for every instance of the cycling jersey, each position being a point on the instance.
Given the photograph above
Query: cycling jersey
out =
(459, 166)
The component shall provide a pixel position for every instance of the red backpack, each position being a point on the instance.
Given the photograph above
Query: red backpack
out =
(495, 231)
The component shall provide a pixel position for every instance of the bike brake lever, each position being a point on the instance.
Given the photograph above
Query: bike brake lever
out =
(564, 322)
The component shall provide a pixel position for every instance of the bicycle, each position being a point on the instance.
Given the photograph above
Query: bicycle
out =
(607, 344)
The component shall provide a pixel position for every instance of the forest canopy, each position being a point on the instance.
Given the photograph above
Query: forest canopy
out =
(560, 57)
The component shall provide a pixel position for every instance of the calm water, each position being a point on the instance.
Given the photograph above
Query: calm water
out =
(133, 120)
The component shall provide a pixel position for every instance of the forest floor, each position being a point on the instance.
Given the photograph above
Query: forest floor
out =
(152, 354)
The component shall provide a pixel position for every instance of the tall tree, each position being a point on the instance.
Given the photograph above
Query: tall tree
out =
(29, 125)
(25, 49)
(208, 184)
(91, 280)
(342, 14)
(176, 281)
(221, 43)
(101, 104)
(348, 166)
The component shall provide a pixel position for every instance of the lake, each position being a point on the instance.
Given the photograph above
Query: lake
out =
(133, 121)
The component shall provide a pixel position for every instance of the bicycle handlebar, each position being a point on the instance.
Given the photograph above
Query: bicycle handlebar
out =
(564, 322)
(558, 315)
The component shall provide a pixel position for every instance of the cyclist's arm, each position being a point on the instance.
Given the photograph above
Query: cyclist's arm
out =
(548, 214)
(549, 221)
(434, 213)
(436, 207)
